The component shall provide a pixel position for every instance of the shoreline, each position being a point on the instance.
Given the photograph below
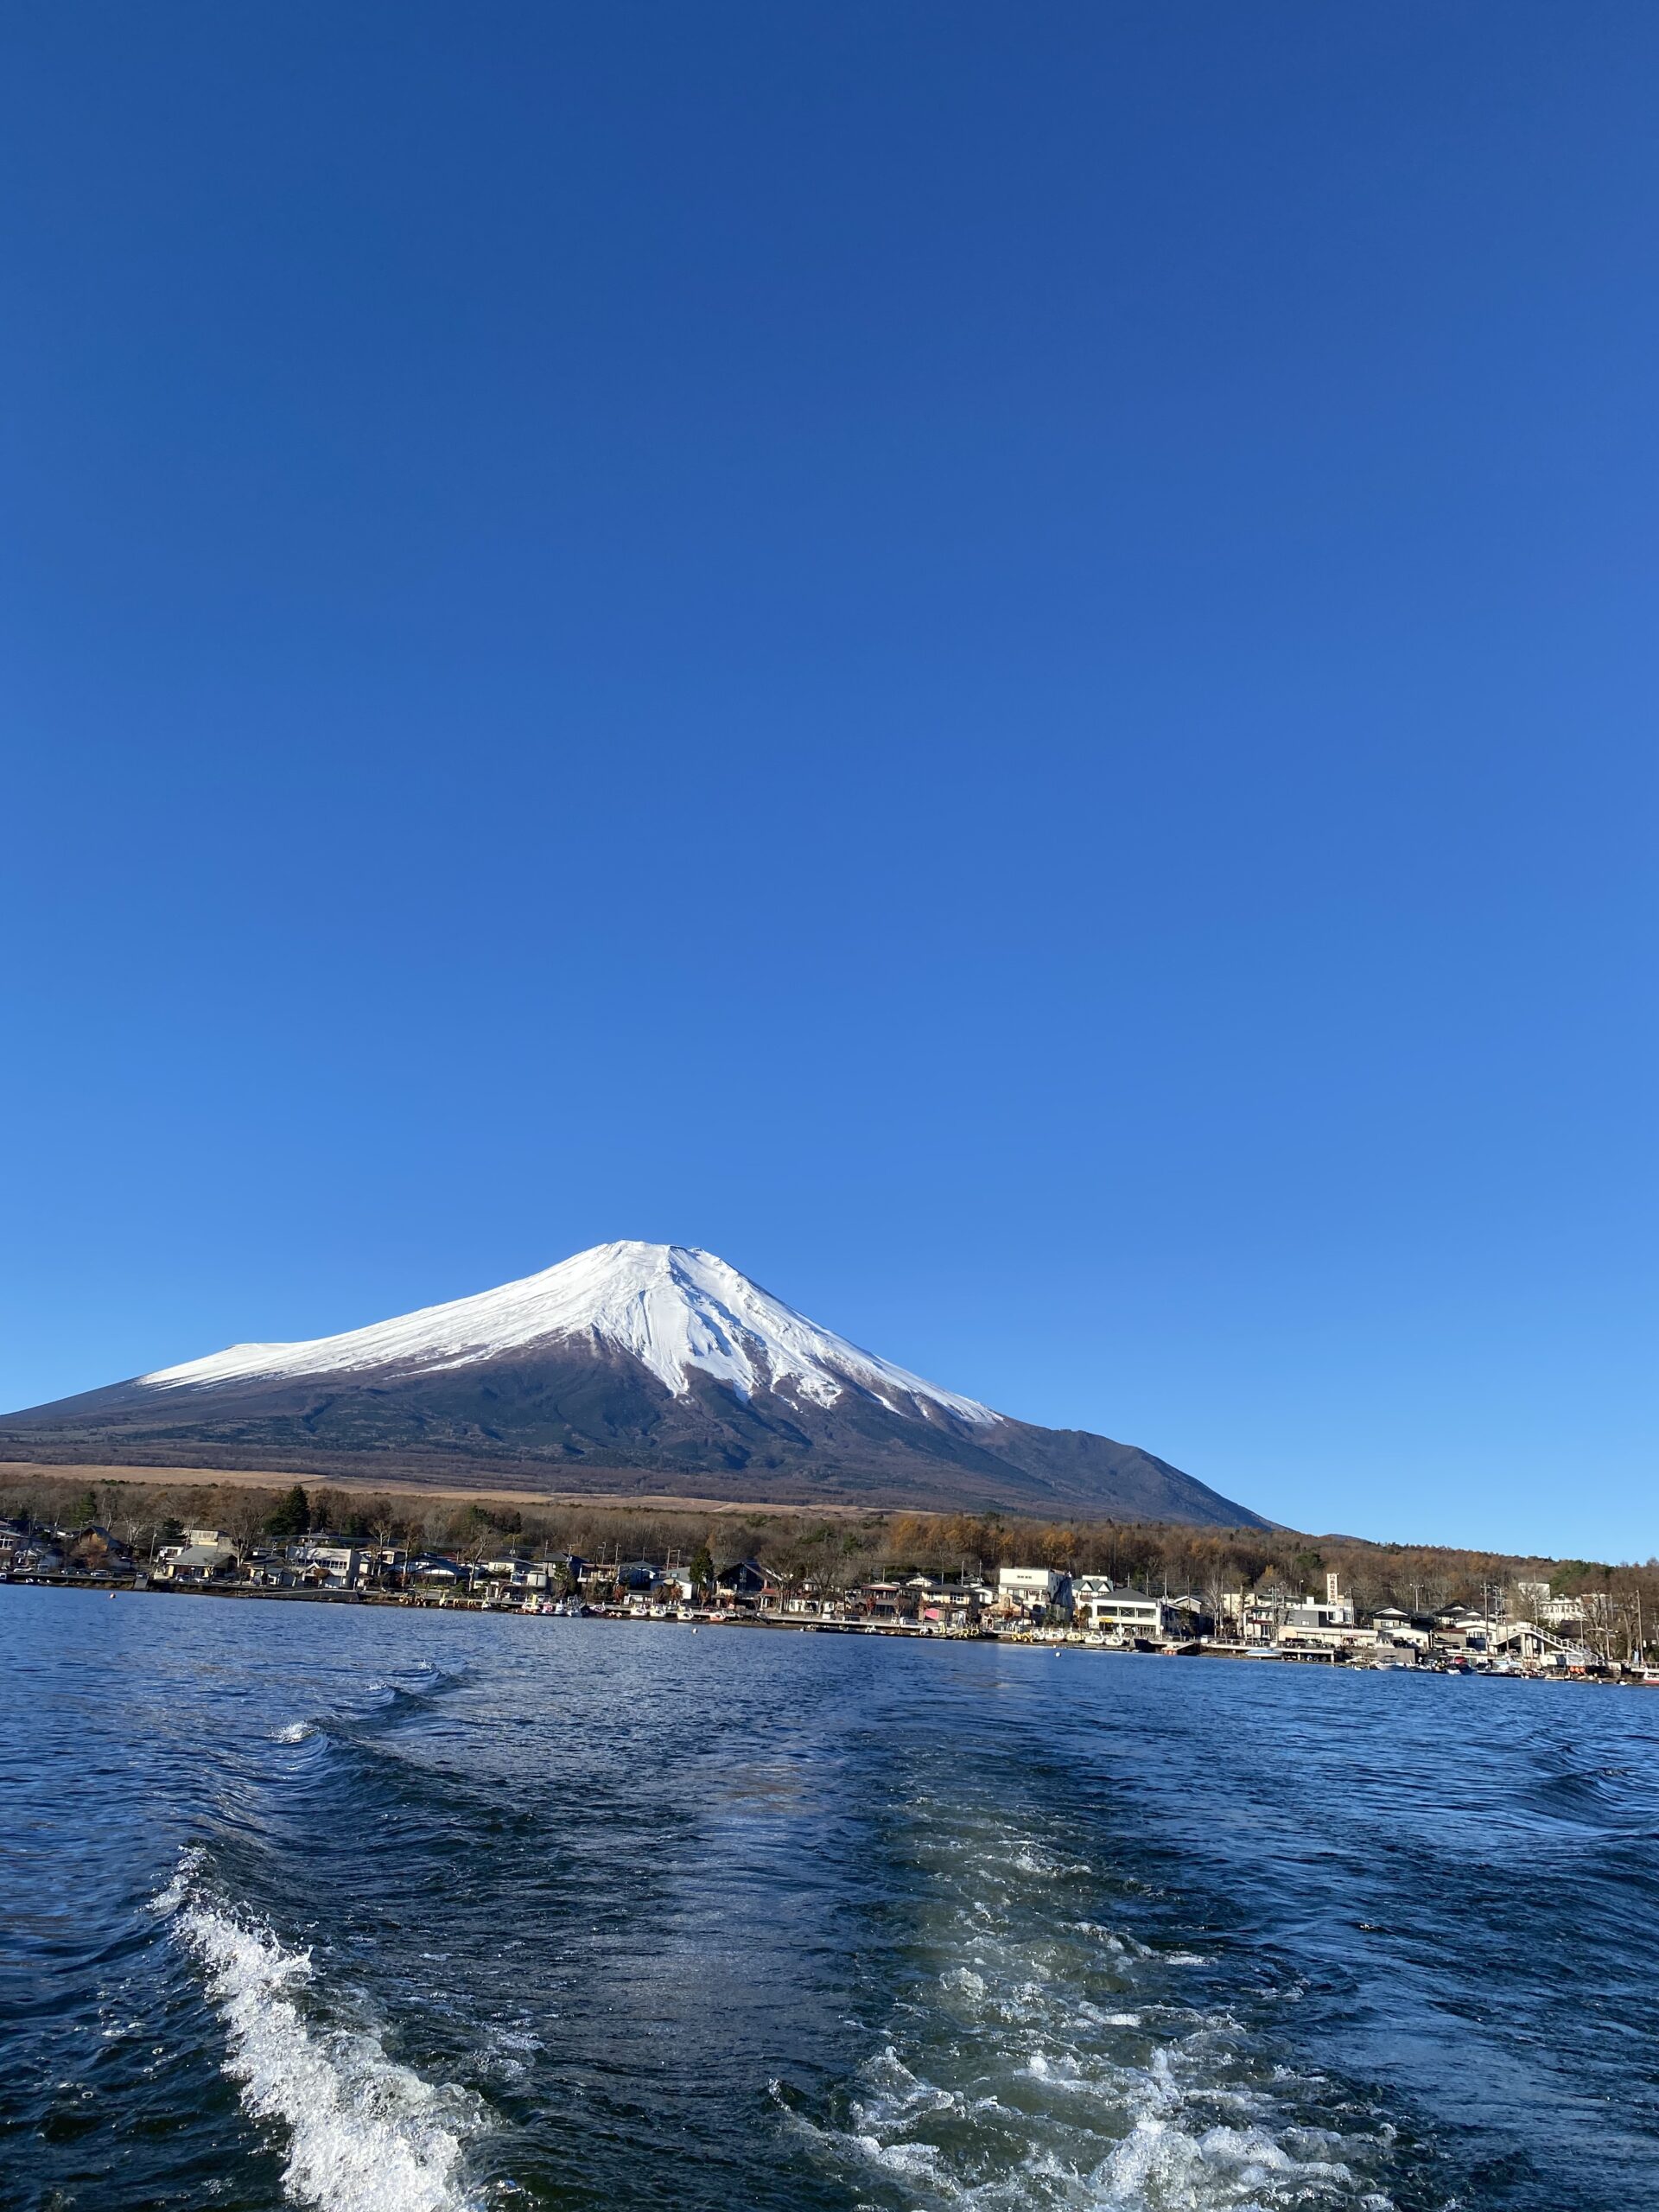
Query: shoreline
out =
(1057, 1642)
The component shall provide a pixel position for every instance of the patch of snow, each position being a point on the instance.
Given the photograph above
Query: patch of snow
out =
(672, 1307)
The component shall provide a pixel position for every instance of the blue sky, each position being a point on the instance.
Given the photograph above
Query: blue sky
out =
(996, 660)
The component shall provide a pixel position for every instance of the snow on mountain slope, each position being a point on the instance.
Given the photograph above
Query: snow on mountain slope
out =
(669, 1305)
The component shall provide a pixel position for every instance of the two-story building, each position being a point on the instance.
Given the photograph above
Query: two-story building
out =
(1333, 1611)
(1392, 1625)
(333, 1565)
(1326, 1623)
(1111, 1608)
(1031, 1592)
(745, 1586)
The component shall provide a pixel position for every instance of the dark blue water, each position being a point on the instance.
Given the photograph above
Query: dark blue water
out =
(407, 1912)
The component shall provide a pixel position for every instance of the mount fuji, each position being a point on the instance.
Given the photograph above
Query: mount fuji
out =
(631, 1369)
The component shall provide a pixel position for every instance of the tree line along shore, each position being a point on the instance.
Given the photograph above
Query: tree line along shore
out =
(833, 1553)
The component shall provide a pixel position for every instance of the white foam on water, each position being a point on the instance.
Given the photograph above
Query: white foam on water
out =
(1059, 2064)
(1245, 2170)
(295, 1733)
(365, 2134)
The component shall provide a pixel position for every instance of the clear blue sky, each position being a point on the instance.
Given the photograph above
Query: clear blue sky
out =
(996, 659)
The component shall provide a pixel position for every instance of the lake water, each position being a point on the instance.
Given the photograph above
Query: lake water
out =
(408, 1912)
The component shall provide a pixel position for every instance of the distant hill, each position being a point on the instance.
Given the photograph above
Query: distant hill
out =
(647, 1368)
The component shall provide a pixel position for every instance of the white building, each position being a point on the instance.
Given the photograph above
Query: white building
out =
(1098, 1603)
(1565, 1613)
(341, 1566)
(1307, 1624)
(1333, 1611)
(1031, 1589)
(1394, 1626)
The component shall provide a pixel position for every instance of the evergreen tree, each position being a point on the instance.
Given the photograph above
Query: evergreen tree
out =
(291, 1515)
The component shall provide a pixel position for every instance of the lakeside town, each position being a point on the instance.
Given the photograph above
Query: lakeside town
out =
(1521, 1628)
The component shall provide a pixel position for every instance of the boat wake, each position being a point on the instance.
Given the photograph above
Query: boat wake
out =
(364, 2134)
(1038, 2059)
(368, 1705)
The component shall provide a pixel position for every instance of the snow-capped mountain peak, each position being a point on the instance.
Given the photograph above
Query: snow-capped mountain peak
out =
(671, 1307)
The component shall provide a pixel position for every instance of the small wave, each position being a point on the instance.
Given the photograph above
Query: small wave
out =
(364, 2134)
(369, 1705)
(1051, 2062)
(1031, 1856)
(1160, 2163)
